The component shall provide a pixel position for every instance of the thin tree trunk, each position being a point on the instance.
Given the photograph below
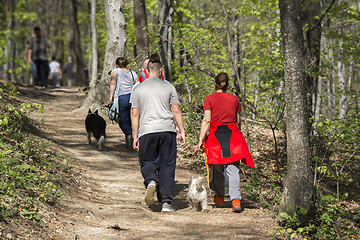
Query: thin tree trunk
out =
(164, 16)
(297, 194)
(59, 48)
(115, 47)
(317, 107)
(94, 53)
(9, 49)
(142, 36)
(312, 49)
(75, 47)
(256, 92)
(342, 86)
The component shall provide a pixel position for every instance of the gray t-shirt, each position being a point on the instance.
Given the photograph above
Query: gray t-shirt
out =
(154, 98)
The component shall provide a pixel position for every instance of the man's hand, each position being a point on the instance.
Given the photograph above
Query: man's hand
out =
(181, 137)
(136, 143)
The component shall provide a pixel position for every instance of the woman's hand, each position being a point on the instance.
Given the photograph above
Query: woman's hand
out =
(199, 147)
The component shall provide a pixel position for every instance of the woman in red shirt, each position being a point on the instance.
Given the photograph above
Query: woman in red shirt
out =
(225, 145)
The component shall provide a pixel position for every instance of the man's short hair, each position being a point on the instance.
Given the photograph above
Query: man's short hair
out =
(36, 29)
(154, 62)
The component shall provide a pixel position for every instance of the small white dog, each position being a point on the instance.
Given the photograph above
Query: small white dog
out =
(197, 194)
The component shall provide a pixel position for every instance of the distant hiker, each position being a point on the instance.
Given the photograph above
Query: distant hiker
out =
(33, 66)
(86, 76)
(38, 53)
(225, 145)
(144, 72)
(68, 71)
(121, 85)
(155, 107)
(55, 72)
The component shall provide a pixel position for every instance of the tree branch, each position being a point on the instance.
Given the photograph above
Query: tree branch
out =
(322, 17)
(207, 71)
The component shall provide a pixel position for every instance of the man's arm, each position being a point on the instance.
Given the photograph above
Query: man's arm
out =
(135, 114)
(29, 55)
(112, 86)
(60, 72)
(176, 110)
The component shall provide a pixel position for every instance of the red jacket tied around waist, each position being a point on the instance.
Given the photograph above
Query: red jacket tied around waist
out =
(226, 144)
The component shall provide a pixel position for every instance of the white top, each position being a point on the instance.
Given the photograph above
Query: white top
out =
(54, 66)
(125, 81)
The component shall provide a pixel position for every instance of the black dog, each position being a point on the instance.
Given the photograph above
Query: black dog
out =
(96, 125)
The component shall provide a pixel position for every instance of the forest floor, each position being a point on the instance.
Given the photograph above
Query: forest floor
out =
(106, 200)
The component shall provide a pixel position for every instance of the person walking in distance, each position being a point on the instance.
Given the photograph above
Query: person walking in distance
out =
(55, 72)
(68, 71)
(38, 53)
(121, 85)
(154, 112)
(225, 145)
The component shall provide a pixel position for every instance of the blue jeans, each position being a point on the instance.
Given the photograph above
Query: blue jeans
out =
(124, 114)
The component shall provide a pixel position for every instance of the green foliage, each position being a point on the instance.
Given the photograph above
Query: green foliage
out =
(30, 170)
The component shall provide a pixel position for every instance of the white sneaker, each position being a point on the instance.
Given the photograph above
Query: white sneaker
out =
(166, 207)
(150, 190)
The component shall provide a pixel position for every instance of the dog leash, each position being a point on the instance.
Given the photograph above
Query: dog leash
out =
(207, 167)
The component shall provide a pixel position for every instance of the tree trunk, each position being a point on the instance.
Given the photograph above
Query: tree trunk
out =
(298, 191)
(115, 47)
(164, 16)
(75, 47)
(312, 48)
(94, 53)
(142, 36)
(10, 48)
(59, 48)
(342, 84)
(331, 85)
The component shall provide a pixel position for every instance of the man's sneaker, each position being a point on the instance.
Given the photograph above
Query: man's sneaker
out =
(236, 206)
(150, 190)
(128, 141)
(166, 207)
(219, 201)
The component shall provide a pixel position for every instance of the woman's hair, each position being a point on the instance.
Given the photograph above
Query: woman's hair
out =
(121, 62)
(222, 81)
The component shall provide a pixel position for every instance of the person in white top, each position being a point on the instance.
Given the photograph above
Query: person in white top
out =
(121, 85)
(55, 72)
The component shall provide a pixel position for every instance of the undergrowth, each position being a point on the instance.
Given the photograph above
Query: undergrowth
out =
(31, 171)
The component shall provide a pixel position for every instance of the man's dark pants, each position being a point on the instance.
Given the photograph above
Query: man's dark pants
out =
(157, 158)
(42, 68)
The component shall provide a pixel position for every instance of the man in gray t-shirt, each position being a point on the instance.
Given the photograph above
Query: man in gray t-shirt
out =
(155, 107)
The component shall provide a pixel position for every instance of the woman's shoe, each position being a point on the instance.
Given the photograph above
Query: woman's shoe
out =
(236, 205)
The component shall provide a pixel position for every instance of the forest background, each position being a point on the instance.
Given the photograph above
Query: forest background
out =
(197, 40)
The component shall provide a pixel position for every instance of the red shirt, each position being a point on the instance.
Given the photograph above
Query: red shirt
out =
(223, 107)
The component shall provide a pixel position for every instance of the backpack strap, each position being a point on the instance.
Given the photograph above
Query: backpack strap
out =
(132, 77)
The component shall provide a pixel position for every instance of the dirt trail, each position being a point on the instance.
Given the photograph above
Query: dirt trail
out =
(108, 201)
